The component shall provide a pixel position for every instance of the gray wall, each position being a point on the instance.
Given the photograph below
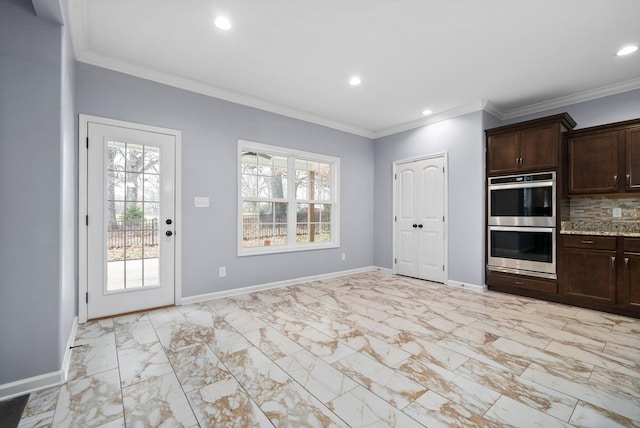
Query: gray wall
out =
(30, 191)
(462, 138)
(210, 130)
(613, 108)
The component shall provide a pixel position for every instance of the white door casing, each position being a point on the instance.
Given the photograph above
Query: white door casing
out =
(142, 270)
(420, 218)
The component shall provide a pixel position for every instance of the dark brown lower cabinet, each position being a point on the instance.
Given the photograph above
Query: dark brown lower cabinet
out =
(589, 268)
(602, 272)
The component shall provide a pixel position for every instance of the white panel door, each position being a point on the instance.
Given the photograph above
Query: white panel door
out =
(131, 222)
(406, 262)
(419, 246)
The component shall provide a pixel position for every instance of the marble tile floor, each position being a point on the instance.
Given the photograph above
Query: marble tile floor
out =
(370, 349)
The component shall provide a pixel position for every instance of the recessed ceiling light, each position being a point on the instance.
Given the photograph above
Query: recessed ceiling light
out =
(355, 81)
(627, 50)
(222, 22)
(426, 112)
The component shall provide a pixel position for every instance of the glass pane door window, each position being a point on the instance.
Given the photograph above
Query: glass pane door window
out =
(132, 215)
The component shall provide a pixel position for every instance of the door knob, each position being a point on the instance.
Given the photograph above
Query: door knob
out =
(168, 233)
(415, 225)
(169, 221)
(420, 226)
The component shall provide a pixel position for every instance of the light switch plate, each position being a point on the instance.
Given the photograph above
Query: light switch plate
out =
(617, 212)
(201, 202)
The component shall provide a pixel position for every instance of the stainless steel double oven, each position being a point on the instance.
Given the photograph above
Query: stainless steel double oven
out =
(522, 222)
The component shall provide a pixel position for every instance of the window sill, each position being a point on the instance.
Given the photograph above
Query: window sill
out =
(244, 252)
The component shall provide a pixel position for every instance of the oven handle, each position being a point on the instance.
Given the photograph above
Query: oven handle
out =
(521, 229)
(526, 185)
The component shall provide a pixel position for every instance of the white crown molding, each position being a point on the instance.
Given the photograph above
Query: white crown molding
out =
(438, 117)
(204, 89)
(580, 97)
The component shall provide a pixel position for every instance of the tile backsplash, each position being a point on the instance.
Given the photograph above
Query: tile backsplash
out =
(600, 208)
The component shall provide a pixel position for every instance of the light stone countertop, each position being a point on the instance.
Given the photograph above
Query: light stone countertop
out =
(602, 228)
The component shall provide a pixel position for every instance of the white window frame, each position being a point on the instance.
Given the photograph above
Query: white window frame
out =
(291, 155)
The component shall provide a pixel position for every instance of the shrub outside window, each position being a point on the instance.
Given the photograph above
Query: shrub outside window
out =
(288, 200)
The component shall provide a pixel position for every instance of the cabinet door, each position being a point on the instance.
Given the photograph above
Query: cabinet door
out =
(632, 279)
(590, 274)
(593, 163)
(539, 147)
(632, 147)
(503, 153)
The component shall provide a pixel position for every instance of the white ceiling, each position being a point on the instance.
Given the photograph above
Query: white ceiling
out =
(295, 57)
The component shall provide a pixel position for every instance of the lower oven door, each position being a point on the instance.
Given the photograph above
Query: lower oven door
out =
(523, 250)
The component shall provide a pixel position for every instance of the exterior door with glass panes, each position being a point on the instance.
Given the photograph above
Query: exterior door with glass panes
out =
(131, 224)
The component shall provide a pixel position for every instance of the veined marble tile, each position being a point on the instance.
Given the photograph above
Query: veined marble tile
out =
(142, 363)
(184, 335)
(507, 411)
(487, 354)
(433, 410)
(272, 343)
(616, 403)
(93, 357)
(372, 327)
(595, 358)
(243, 321)
(616, 382)
(381, 351)
(292, 406)
(225, 404)
(256, 373)
(469, 332)
(361, 408)
(93, 330)
(135, 334)
(405, 325)
(590, 416)
(89, 401)
(621, 352)
(222, 306)
(466, 392)
(428, 350)
(330, 325)
(166, 316)
(41, 402)
(396, 388)
(157, 402)
(197, 366)
(631, 326)
(316, 376)
(318, 343)
(542, 334)
(548, 358)
(37, 421)
(603, 333)
(518, 316)
(533, 395)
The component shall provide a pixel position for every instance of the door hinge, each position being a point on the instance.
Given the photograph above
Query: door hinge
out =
(395, 218)
(442, 268)
(395, 176)
(86, 297)
(395, 261)
(86, 220)
(443, 219)
(443, 170)
(87, 142)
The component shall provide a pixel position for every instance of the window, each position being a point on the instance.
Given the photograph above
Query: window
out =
(288, 200)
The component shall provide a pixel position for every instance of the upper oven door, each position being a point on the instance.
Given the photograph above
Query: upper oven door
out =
(523, 204)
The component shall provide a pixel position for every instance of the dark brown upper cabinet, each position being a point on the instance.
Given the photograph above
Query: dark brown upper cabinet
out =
(527, 146)
(604, 159)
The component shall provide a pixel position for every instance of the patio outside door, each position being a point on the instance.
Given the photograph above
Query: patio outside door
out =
(131, 221)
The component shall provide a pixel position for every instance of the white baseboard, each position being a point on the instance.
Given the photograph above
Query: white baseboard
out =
(250, 289)
(47, 380)
(467, 286)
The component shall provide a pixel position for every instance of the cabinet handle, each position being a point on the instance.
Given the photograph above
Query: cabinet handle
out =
(628, 179)
(626, 263)
(517, 161)
(587, 242)
(519, 283)
(520, 161)
(615, 180)
(613, 263)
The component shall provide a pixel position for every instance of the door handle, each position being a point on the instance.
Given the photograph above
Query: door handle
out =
(415, 225)
(168, 233)
(420, 226)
